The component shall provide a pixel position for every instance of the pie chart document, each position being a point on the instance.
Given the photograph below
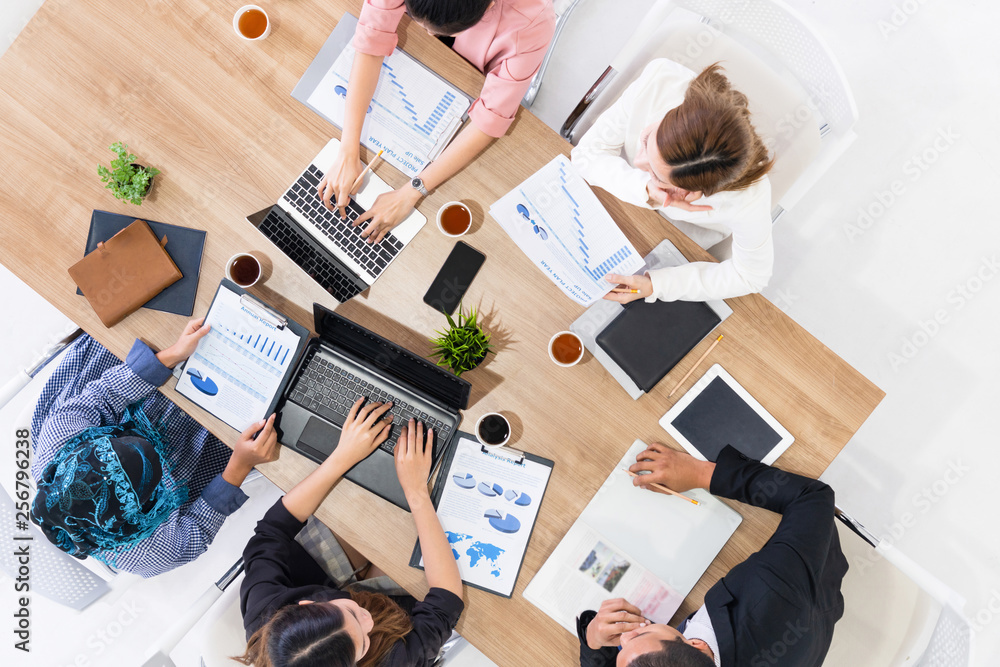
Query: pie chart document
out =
(487, 501)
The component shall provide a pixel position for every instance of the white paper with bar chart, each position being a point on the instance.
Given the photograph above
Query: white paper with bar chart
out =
(558, 222)
(413, 114)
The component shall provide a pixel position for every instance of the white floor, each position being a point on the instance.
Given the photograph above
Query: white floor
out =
(910, 302)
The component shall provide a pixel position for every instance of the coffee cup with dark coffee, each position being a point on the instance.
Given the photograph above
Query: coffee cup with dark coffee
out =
(493, 430)
(244, 269)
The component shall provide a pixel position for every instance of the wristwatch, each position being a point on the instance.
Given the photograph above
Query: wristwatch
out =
(418, 184)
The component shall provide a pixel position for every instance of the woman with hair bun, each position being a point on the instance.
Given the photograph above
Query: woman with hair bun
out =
(295, 616)
(685, 145)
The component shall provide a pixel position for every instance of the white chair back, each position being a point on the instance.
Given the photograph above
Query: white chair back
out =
(896, 613)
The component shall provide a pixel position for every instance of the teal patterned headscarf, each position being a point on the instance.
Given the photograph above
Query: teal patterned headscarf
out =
(107, 488)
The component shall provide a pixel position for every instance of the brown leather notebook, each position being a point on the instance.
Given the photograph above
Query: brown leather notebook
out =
(125, 272)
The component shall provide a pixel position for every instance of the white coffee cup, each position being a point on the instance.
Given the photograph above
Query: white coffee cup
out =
(234, 259)
(482, 441)
(553, 356)
(445, 208)
(243, 10)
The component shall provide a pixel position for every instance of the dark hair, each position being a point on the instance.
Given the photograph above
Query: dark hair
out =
(709, 141)
(314, 635)
(448, 17)
(673, 654)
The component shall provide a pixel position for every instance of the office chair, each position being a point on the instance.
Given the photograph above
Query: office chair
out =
(895, 612)
(563, 9)
(800, 100)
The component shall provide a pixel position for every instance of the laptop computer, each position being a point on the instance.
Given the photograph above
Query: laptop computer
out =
(326, 247)
(347, 361)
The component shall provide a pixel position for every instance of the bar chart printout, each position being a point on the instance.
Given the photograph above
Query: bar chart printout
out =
(237, 368)
(413, 115)
(558, 222)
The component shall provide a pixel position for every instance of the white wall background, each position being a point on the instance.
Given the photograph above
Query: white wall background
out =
(910, 297)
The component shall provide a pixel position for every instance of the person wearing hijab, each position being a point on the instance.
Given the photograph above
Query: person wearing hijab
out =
(123, 474)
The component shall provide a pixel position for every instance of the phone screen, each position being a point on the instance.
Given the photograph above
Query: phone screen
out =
(454, 278)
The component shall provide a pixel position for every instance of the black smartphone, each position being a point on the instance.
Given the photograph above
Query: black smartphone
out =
(454, 278)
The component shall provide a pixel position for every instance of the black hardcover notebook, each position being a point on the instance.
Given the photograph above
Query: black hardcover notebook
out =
(184, 246)
(648, 339)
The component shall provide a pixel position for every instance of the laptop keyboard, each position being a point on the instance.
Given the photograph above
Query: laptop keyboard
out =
(330, 391)
(289, 240)
(374, 257)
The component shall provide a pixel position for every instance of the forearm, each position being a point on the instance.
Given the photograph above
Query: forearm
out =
(306, 496)
(360, 90)
(439, 563)
(466, 146)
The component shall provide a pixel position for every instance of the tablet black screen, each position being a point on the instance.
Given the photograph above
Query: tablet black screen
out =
(718, 417)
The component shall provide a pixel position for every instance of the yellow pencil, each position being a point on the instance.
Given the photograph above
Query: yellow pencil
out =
(625, 291)
(663, 488)
(700, 359)
(370, 165)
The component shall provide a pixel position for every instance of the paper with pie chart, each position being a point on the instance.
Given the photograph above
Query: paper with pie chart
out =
(488, 506)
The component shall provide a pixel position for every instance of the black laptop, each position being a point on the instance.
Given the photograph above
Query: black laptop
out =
(348, 361)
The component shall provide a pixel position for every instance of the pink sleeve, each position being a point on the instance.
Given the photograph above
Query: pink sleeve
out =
(507, 83)
(376, 31)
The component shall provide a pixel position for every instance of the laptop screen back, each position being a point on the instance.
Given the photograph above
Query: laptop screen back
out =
(391, 359)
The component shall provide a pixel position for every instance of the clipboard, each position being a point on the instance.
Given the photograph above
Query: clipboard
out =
(503, 499)
(239, 373)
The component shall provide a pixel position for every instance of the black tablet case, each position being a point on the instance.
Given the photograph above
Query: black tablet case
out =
(648, 339)
(184, 246)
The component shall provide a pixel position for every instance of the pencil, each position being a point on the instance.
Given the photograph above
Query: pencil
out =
(625, 291)
(370, 165)
(700, 359)
(663, 488)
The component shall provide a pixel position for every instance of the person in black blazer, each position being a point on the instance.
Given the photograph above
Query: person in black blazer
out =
(776, 608)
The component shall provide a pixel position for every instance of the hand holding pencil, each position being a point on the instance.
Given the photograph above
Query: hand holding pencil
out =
(677, 471)
(630, 287)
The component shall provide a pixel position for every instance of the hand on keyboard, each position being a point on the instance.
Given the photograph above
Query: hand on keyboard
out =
(389, 209)
(413, 458)
(338, 182)
(363, 431)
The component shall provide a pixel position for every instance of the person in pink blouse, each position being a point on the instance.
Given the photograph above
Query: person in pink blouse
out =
(505, 39)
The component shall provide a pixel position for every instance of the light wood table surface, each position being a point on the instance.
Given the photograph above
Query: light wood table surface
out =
(214, 113)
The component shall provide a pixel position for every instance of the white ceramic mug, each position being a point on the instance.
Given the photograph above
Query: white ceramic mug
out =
(229, 269)
(243, 10)
(446, 207)
(493, 445)
(553, 357)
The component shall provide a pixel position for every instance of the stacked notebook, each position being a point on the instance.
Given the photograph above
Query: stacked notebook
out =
(130, 264)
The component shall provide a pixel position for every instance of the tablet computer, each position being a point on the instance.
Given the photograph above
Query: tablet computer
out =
(716, 412)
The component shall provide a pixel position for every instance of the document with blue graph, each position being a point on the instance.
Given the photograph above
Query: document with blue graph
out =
(558, 222)
(241, 365)
(414, 112)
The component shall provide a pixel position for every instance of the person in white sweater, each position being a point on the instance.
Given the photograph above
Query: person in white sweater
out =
(684, 145)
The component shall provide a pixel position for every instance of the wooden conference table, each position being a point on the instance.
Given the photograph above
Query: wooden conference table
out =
(215, 115)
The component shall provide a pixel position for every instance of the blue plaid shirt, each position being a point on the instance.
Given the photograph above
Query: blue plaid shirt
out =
(92, 387)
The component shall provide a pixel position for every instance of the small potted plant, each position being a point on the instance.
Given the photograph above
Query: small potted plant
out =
(127, 180)
(464, 345)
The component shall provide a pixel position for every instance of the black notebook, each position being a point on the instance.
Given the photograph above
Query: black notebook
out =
(184, 246)
(648, 339)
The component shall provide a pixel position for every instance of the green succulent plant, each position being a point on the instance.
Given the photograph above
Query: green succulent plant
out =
(126, 181)
(464, 345)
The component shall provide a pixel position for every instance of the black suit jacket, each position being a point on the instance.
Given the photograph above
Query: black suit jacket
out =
(779, 606)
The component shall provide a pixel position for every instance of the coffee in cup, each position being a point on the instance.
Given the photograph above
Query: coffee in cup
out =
(251, 23)
(493, 430)
(566, 348)
(243, 269)
(454, 219)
